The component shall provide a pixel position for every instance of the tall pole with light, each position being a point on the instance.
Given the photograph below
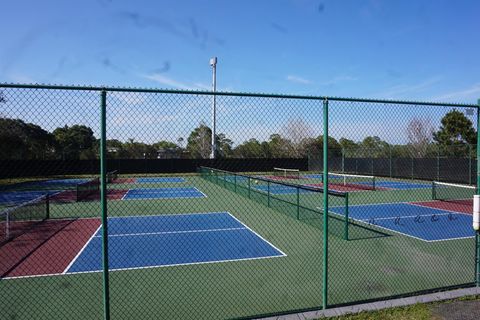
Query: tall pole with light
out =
(213, 63)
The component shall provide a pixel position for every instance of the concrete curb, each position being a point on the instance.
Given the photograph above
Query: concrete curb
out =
(431, 297)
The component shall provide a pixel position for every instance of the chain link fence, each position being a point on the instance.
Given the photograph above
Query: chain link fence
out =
(265, 226)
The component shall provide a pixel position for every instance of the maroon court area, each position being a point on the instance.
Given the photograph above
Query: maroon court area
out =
(48, 248)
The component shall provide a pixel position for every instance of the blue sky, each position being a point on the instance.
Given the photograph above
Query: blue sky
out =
(425, 50)
(413, 50)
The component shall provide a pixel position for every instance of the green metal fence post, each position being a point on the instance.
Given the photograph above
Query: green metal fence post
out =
(325, 205)
(438, 162)
(103, 204)
(469, 164)
(268, 194)
(477, 234)
(390, 158)
(346, 216)
(298, 203)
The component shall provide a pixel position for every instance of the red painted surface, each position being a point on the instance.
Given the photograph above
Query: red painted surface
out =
(112, 194)
(346, 187)
(463, 206)
(47, 249)
(124, 180)
(64, 196)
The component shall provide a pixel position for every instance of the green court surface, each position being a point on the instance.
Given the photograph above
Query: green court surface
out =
(372, 264)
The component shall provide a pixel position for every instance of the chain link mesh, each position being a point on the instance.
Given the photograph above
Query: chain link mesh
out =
(237, 232)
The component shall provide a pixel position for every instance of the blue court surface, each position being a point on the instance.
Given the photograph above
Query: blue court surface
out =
(160, 180)
(19, 197)
(402, 185)
(163, 193)
(424, 223)
(168, 240)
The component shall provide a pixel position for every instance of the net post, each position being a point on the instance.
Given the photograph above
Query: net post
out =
(103, 202)
(434, 191)
(346, 216)
(249, 187)
(325, 207)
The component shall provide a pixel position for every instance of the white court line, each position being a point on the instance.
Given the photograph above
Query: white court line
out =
(282, 254)
(144, 267)
(169, 232)
(365, 221)
(423, 206)
(247, 227)
(81, 250)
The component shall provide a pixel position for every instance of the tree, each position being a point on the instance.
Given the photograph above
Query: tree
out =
(455, 134)
(374, 147)
(21, 140)
(280, 147)
(251, 149)
(199, 142)
(75, 142)
(298, 132)
(419, 135)
(224, 146)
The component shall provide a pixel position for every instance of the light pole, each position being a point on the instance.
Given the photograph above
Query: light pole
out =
(213, 63)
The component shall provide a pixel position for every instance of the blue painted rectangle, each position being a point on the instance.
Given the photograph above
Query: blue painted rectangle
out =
(163, 193)
(18, 197)
(157, 241)
(160, 180)
(423, 223)
(401, 185)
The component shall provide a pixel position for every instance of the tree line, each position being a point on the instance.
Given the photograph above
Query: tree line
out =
(22, 140)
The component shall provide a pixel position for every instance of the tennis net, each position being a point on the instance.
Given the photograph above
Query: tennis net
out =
(451, 191)
(353, 181)
(112, 176)
(15, 221)
(285, 173)
(85, 189)
(301, 202)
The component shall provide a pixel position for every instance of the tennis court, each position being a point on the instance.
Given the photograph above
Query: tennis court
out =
(188, 238)
(163, 193)
(417, 220)
(235, 227)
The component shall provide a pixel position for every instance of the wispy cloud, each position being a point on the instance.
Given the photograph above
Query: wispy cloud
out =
(470, 93)
(338, 79)
(298, 79)
(21, 78)
(163, 80)
(399, 91)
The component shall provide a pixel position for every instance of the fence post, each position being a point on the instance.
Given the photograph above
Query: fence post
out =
(477, 233)
(469, 164)
(325, 205)
(438, 162)
(390, 158)
(103, 203)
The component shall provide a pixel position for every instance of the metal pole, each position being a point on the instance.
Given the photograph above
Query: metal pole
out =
(103, 204)
(477, 234)
(438, 162)
(325, 205)
(213, 63)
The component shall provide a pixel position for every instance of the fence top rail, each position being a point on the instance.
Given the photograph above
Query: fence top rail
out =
(286, 184)
(237, 94)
